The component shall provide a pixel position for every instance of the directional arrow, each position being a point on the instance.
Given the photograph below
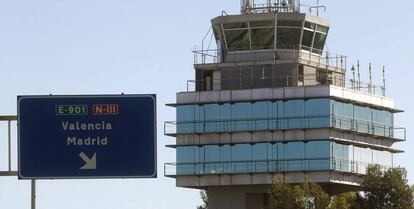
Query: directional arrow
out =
(90, 163)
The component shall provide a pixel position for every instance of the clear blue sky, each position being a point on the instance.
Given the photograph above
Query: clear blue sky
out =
(131, 46)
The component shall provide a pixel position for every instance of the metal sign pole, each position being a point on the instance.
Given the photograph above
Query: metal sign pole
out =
(9, 171)
(33, 199)
(9, 144)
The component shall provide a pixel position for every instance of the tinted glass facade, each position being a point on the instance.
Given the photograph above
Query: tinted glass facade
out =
(277, 157)
(281, 115)
(262, 35)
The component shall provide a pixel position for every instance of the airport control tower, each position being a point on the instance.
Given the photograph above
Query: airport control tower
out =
(269, 102)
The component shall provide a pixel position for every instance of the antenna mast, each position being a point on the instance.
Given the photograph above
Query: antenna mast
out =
(269, 6)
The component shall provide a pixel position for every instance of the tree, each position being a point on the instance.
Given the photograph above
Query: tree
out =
(343, 201)
(204, 198)
(384, 189)
(285, 196)
(304, 196)
(315, 197)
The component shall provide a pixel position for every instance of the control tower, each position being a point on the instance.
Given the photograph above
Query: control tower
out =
(269, 102)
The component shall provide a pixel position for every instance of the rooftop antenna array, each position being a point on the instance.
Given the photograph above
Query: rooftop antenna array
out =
(383, 81)
(317, 7)
(265, 6)
(359, 76)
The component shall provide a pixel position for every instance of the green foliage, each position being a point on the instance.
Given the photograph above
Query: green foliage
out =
(343, 201)
(315, 197)
(204, 198)
(385, 189)
(305, 196)
(285, 196)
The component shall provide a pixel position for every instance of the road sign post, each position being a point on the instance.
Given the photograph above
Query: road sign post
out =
(81, 137)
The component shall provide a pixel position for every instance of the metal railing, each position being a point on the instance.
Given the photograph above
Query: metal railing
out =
(173, 128)
(265, 166)
(274, 7)
(9, 120)
(283, 81)
(299, 53)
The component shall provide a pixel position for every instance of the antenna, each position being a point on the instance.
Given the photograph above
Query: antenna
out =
(246, 6)
(359, 77)
(317, 7)
(269, 6)
(383, 80)
(353, 77)
(370, 78)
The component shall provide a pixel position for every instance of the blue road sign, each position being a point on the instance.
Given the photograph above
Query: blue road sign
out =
(82, 137)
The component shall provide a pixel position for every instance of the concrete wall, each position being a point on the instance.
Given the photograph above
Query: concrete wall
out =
(286, 93)
(237, 197)
(340, 181)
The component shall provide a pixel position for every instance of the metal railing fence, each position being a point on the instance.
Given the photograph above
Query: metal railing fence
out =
(173, 128)
(265, 166)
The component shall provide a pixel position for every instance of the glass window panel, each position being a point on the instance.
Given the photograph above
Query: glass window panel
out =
(322, 29)
(383, 158)
(238, 40)
(185, 160)
(263, 38)
(225, 114)
(185, 113)
(294, 114)
(235, 25)
(241, 155)
(259, 157)
(212, 158)
(294, 108)
(241, 113)
(185, 154)
(225, 111)
(317, 107)
(199, 118)
(241, 152)
(319, 42)
(294, 150)
(294, 156)
(363, 157)
(341, 157)
(340, 151)
(201, 153)
(212, 117)
(343, 115)
(318, 155)
(317, 111)
(212, 112)
(185, 119)
(217, 31)
(259, 152)
(225, 158)
(275, 113)
(281, 160)
(272, 156)
(310, 25)
(212, 153)
(260, 114)
(307, 39)
(318, 149)
(288, 37)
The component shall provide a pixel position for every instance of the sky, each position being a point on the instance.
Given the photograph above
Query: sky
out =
(133, 47)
